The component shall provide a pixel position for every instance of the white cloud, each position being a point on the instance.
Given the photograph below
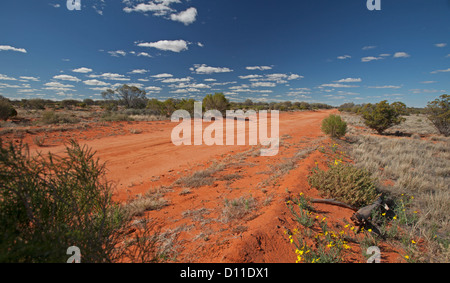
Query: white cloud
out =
(57, 85)
(428, 82)
(95, 83)
(164, 75)
(167, 45)
(11, 48)
(264, 84)
(204, 69)
(370, 58)
(6, 78)
(337, 85)
(440, 44)
(82, 70)
(153, 88)
(441, 71)
(186, 17)
(162, 8)
(174, 80)
(261, 68)
(344, 57)
(250, 77)
(111, 76)
(158, 9)
(210, 80)
(349, 80)
(144, 54)
(401, 55)
(294, 77)
(117, 53)
(29, 78)
(386, 86)
(138, 71)
(67, 78)
(200, 44)
(369, 47)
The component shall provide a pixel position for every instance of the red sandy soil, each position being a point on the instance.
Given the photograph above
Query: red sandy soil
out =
(140, 162)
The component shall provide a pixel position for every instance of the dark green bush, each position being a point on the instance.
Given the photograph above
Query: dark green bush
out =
(439, 114)
(334, 126)
(49, 203)
(382, 115)
(6, 110)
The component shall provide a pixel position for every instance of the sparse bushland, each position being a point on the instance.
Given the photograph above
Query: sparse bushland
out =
(334, 126)
(51, 117)
(416, 169)
(439, 114)
(49, 203)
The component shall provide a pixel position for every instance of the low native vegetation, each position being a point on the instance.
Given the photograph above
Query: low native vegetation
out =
(49, 203)
(334, 126)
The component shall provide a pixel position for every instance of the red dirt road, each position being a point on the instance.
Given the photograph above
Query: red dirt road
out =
(199, 223)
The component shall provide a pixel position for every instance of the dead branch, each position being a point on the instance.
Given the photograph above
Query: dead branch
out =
(333, 202)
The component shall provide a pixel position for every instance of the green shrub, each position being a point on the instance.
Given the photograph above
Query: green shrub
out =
(48, 204)
(334, 126)
(6, 110)
(345, 183)
(439, 114)
(382, 115)
(51, 117)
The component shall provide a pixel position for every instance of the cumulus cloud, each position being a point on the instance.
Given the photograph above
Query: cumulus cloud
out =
(440, 44)
(163, 75)
(368, 47)
(111, 76)
(162, 8)
(117, 53)
(434, 72)
(261, 68)
(29, 78)
(344, 57)
(204, 69)
(176, 80)
(337, 85)
(11, 48)
(370, 58)
(95, 83)
(67, 78)
(167, 45)
(349, 80)
(386, 86)
(82, 70)
(264, 84)
(6, 78)
(186, 17)
(401, 55)
(138, 71)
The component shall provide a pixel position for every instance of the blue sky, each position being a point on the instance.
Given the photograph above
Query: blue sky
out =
(267, 50)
